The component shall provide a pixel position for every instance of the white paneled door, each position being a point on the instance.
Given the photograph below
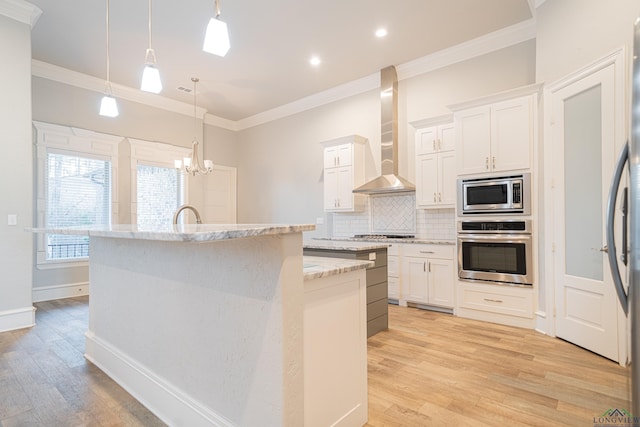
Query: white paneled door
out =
(220, 195)
(583, 147)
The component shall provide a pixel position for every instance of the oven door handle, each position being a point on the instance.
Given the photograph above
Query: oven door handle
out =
(497, 238)
(611, 242)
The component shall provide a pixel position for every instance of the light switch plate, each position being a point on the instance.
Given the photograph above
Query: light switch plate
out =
(12, 219)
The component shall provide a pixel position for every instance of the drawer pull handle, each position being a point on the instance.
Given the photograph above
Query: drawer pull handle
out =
(492, 300)
(427, 252)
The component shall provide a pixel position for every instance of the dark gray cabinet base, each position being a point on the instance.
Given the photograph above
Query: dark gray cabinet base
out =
(377, 289)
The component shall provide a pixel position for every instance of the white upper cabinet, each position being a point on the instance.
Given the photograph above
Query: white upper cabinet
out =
(338, 155)
(343, 171)
(435, 139)
(495, 138)
(435, 166)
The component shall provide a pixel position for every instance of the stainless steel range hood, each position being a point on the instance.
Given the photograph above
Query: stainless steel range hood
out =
(389, 181)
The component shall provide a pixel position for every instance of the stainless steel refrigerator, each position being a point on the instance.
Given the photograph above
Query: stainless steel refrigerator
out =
(628, 250)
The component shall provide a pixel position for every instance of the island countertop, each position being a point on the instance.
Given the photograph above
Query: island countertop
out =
(343, 245)
(315, 267)
(180, 233)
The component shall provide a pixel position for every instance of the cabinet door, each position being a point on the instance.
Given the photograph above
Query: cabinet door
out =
(440, 272)
(511, 134)
(473, 140)
(446, 137)
(414, 279)
(426, 140)
(345, 188)
(330, 189)
(345, 154)
(330, 157)
(426, 180)
(447, 178)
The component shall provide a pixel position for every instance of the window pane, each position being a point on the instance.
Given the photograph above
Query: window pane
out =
(78, 193)
(159, 192)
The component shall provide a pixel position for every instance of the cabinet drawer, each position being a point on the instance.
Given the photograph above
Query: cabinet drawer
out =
(376, 275)
(377, 292)
(393, 269)
(394, 288)
(393, 249)
(497, 299)
(377, 309)
(428, 251)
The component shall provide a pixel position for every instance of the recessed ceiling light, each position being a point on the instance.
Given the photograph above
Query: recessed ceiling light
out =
(381, 32)
(315, 61)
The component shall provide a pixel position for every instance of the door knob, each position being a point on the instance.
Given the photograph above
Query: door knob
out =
(604, 249)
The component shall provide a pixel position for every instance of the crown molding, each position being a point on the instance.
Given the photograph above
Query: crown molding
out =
(488, 43)
(497, 97)
(20, 11)
(336, 93)
(85, 81)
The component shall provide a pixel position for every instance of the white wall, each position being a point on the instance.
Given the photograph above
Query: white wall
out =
(16, 176)
(573, 33)
(280, 163)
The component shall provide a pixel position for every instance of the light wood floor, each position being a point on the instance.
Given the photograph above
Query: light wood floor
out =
(429, 369)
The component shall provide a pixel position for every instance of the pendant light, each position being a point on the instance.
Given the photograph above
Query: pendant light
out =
(108, 106)
(150, 76)
(191, 165)
(216, 39)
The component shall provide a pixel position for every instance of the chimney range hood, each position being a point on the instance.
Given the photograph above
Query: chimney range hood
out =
(389, 181)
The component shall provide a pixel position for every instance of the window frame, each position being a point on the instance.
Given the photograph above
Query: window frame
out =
(69, 141)
(158, 154)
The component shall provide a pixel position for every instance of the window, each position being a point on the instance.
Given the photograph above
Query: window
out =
(78, 193)
(76, 185)
(157, 189)
(159, 194)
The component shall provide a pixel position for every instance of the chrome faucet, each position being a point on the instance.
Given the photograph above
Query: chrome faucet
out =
(183, 207)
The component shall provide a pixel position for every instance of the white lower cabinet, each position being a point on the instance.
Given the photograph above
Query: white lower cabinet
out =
(427, 275)
(508, 305)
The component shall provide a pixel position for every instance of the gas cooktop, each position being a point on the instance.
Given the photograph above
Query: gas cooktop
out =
(383, 236)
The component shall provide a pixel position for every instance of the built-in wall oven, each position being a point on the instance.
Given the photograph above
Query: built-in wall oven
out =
(495, 251)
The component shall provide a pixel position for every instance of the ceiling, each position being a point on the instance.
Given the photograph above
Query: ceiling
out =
(271, 43)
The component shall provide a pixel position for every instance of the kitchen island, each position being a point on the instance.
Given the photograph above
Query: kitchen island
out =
(377, 287)
(204, 324)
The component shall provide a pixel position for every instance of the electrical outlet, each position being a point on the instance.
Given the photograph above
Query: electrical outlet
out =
(12, 219)
(319, 220)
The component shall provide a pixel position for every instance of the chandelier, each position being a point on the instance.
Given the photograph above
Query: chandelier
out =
(191, 165)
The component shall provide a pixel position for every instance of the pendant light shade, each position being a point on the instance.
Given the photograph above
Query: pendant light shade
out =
(150, 76)
(108, 106)
(216, 39)
(151, 79)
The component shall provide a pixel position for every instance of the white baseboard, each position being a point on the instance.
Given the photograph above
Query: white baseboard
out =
(17, 319)
(48, 293)
(167, 402)
(542, 323)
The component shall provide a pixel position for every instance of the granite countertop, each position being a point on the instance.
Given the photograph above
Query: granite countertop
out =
(315, 267)
(180, 233)
(385, 242)
(343, 245)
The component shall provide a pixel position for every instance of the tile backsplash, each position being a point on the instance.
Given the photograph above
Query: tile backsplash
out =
(395, 214)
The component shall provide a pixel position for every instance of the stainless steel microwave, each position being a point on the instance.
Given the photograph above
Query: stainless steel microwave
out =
(495, 195)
